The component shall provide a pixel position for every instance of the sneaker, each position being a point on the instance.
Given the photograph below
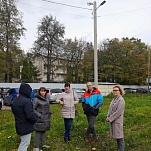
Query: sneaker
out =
(46, 146)
(86, 139)
(36, 149)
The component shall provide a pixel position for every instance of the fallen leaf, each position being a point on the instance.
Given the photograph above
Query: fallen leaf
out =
(93, 148)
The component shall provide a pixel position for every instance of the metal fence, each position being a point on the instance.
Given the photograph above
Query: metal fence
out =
(105, 88)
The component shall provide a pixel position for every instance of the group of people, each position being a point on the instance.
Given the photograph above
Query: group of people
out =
(35, 116)
(31, 116)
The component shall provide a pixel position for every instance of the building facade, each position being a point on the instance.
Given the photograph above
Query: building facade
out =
(57, 68)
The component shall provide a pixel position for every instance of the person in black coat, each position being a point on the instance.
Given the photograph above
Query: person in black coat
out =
(22, 109)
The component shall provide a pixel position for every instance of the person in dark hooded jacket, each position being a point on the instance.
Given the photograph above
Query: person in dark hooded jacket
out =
(22, 109)
(42, 111)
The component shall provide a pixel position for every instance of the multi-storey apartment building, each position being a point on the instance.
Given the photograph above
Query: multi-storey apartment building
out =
(57, 68)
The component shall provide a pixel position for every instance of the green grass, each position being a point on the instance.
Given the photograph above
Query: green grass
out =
(137, 128)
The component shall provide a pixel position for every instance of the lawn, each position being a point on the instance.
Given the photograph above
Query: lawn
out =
(137, 128)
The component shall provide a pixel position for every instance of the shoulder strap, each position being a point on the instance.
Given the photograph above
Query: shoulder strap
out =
(73, 96)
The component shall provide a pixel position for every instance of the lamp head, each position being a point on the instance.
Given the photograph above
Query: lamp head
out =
(89, 3)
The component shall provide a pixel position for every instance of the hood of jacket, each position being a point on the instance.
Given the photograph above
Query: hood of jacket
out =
(25, 89)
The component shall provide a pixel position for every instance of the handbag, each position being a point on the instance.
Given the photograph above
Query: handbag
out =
(76, 111)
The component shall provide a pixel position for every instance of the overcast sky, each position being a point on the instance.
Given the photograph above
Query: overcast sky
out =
(116, 19)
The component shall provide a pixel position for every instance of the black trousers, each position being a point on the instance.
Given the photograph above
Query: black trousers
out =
(91, 130)
(120, 144)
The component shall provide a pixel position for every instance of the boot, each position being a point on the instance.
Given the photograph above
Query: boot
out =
(86, 140)
(69, 138)
(66, 139)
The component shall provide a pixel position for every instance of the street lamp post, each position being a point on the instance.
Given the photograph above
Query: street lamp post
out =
(95, 41)
(21, 68)
(95, 45)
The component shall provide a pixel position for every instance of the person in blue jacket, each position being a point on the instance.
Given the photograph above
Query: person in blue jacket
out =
(91, 101)
(22, 109)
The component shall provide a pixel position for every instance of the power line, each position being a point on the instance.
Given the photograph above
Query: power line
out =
(54, 10)
(91, 9)
(126, 12)
(67, 5)
(84, 8)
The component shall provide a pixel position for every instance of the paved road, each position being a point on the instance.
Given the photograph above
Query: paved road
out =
(4, 107)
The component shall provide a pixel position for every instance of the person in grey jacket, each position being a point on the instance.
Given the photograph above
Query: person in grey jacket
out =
(68, 99)
(41, 108)
(115, 116)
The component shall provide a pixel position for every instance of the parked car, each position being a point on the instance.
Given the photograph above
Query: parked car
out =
(80, 93)
(141, 90)
(32, 95)
(3, 91)
(10, 96)
(53, 94)
(134, 90)
(130, 90)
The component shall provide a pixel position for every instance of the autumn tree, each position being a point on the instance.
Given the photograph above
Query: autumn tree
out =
(11, 29)
(2, 64)
(135, 62)
(49, 42)
(124, 61)
(88, 63)
(74, 54)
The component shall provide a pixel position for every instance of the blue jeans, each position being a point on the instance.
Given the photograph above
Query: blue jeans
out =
(25, 142)
(67, 124)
